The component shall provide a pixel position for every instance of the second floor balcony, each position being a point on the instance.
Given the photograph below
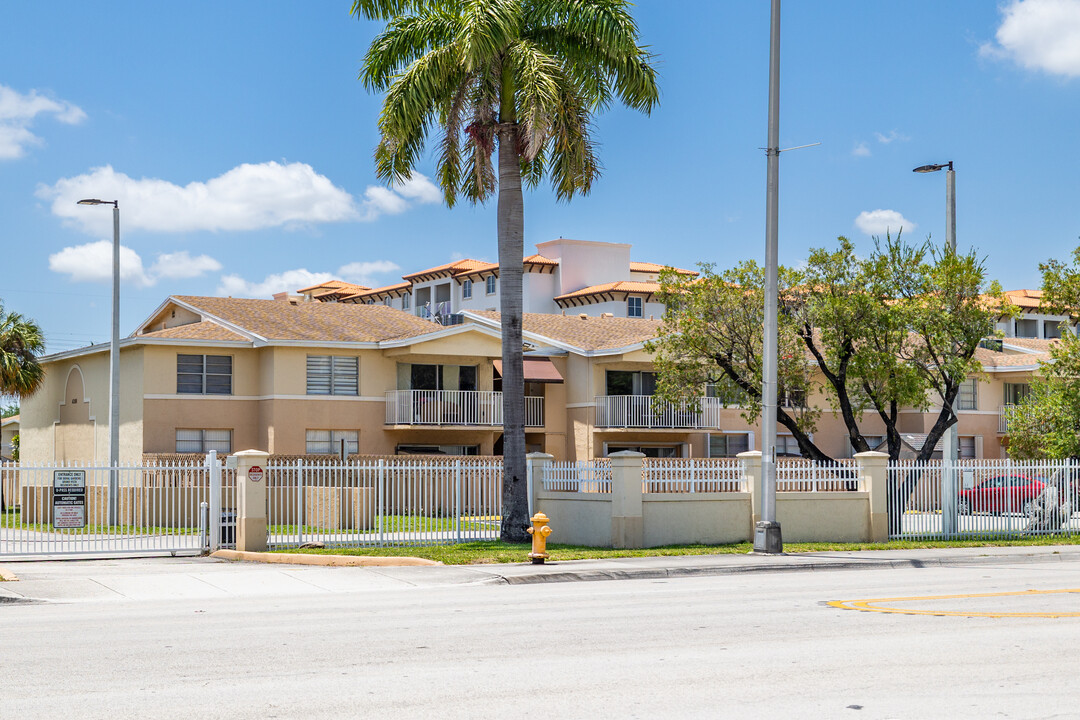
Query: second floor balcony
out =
(640, 411)
(455, 407)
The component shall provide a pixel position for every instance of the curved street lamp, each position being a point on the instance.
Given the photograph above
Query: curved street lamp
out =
(114, 364)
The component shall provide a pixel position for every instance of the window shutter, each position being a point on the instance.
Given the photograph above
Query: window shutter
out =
(319, 372)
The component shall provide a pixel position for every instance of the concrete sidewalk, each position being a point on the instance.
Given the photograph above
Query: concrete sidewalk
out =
(119, 580)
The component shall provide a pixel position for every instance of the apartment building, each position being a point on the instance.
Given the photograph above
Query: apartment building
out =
(294, 377)
(564, 275)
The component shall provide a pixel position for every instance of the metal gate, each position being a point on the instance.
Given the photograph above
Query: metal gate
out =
(69, 510)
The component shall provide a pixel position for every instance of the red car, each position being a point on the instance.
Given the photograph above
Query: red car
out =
(1001, 494)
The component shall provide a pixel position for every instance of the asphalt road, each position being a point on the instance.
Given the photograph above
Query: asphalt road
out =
(732, 646)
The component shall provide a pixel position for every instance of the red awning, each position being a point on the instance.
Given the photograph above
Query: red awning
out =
(536, 371)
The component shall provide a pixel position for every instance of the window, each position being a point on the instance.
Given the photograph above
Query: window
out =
(968, 397)
(332, 375)
(794, 398)
(728, 444)
(633, 307)
(204, 374)
(489, 285)
(650, 451)
(406, 299)
(967, 447)
(726, 391)
(328, 442)
(624, 382)
(437, 450)
(388, 302)
(466, 289)
(1015, 393)
(436, 377)
(203, 441)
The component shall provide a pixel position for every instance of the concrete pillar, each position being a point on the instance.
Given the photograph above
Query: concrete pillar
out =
(874, 469)
(627, 527)
(534, 476)
(752, 462)
(251, 500)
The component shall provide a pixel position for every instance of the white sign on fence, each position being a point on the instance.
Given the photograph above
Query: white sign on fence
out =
(69, 499)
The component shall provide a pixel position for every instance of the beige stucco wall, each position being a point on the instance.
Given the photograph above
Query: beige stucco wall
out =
(577, 518)
(824, 517)
(709, 518)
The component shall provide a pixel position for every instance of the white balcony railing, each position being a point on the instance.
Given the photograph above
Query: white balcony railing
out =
(455, 407)
(1003, 420)
(639, 411)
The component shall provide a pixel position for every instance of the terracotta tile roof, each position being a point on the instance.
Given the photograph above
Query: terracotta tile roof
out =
(328, 285)
(452, 268)
(480, 269)
(589, 333)
(621, 287)
(648, 267)
(316, 322)
(375, 293)
(205, 330)
(540, 260)
(1025, 298)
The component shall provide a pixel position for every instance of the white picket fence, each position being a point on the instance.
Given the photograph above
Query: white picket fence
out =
(383, 502)
(799, 475)
(580, 476)
(984, 498)
(693, 475)
(60, 510)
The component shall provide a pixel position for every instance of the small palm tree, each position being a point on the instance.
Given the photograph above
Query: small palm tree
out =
(528, 74)
(21, 342)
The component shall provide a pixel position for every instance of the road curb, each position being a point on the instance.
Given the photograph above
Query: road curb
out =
(321, 560)
(7, 576)
(661, 573)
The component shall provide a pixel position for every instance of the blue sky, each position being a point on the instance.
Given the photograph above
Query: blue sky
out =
(239, 143)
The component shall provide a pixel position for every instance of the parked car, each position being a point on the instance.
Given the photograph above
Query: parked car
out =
(1002, 493)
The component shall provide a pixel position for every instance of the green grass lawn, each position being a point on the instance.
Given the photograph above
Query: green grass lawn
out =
(397, 523)
(495, 551)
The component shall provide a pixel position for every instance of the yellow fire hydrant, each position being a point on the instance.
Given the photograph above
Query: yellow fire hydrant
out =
(539, 531)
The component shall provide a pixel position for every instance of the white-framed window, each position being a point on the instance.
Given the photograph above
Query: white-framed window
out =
(204, 374)
(787, 445)
(728, 444)
(406, 300)
(190, 440)
(332, 375)
(1015, 393)
(466, 289)
(328, 442)
(388, 302)
(489, 285)
(633, 307)
(968, 397)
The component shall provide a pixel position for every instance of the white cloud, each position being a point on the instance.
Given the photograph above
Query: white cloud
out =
(1039, 35)
(892, 136)
(860, 150)
(92, 262)
(363, 273)
(181, 265)
(290, 280)
(17, 114)
(248, 197)
(878, 222)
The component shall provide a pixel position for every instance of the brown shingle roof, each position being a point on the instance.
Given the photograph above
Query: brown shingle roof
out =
(205, 330)
(589, 333)
(317, 322)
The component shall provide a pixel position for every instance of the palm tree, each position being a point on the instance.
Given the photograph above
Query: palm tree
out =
(21, 342)
(528, 74)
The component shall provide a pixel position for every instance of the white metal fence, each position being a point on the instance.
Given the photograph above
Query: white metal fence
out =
(383, 502)
(693, 475)
(645, 411)
(814, 476)
(84, 510)
(580, 476)
(983, 498)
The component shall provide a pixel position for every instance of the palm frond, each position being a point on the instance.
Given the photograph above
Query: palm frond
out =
(488, 28)
(537, 77)
(21, 342)
(405, 40)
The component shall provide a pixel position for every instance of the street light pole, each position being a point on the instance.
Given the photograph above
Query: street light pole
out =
(951, 440)
(114, 365)
(767, 537)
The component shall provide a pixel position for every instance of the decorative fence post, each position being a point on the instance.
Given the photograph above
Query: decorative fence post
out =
(874, 470)
(213, 466)
(534, 475)
(752, 463)
(627, 525)
(251, 500)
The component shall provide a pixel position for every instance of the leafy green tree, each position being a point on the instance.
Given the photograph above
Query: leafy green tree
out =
(15, 448)
(9, 410)
(21, 342)
(895, 330)
(525, 76)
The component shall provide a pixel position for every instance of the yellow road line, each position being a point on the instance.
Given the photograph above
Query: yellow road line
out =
(871, 605)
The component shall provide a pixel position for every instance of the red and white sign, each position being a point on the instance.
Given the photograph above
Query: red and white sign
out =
(255, 474)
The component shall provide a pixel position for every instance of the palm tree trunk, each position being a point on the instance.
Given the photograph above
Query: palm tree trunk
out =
(511, 220)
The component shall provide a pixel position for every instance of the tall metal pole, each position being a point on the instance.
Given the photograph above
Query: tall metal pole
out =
(951, 440)
(114, 376)
(767, 538)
